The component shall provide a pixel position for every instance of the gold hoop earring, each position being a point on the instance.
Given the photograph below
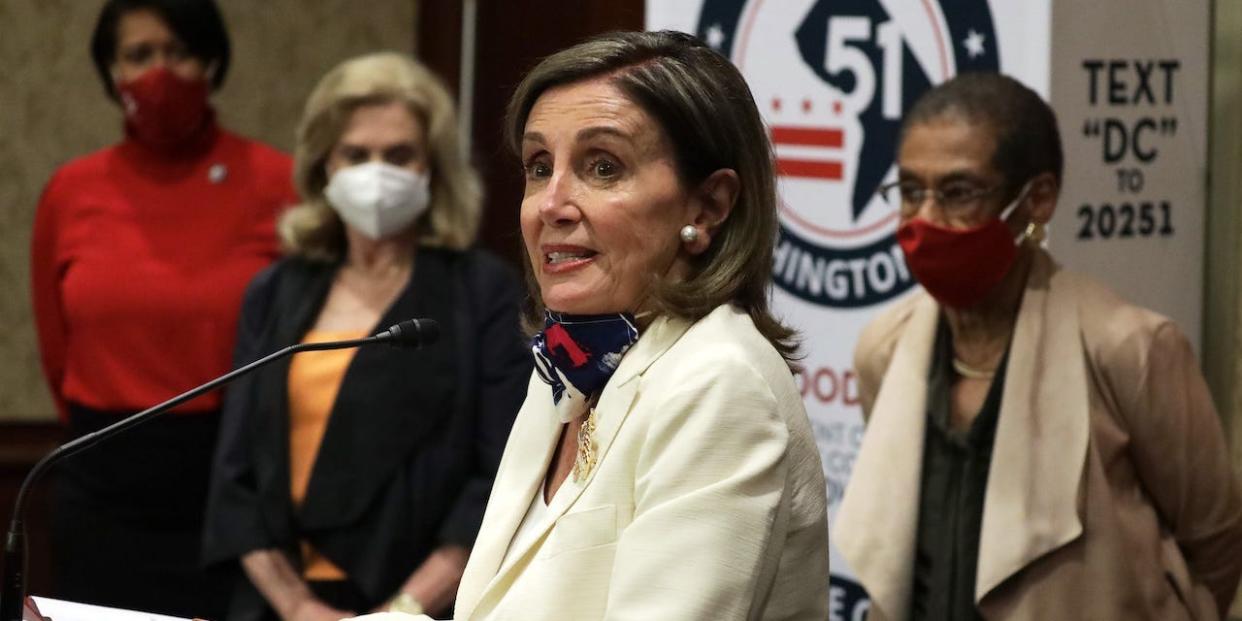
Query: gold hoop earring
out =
(1035, 232)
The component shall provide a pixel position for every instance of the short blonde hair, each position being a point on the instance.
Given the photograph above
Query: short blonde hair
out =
(313, 230)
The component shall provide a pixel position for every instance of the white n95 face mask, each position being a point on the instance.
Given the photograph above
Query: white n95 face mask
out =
(378, 199)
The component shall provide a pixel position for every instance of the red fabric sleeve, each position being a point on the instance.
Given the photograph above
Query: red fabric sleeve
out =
(45, 274)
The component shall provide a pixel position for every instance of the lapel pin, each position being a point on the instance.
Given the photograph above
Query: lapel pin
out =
(217, 173)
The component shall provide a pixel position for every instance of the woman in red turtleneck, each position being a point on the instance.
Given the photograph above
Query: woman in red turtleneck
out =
(140, 255)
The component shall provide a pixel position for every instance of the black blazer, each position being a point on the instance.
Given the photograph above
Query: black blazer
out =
(413, 442)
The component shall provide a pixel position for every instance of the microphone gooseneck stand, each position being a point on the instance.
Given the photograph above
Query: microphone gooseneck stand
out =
(409, 333)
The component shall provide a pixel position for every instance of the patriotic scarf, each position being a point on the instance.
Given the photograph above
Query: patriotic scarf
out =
(576, 354)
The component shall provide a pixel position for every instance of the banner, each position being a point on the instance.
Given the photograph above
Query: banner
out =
(1130, 87)
(832, 80)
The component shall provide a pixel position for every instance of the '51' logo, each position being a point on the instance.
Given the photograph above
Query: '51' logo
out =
(832, 79)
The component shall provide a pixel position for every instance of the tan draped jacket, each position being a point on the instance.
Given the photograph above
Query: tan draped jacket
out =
(1110, 495)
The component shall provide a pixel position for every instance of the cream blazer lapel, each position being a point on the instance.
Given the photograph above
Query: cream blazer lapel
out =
(525, 464)
(519, 477)
(1040, 451)
(1031, 507)
(876, 524)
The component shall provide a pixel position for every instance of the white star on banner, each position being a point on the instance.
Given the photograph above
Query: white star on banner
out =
(715, 36)
(974, 43)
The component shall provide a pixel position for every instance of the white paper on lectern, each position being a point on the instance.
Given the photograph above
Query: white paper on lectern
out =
(60, 610)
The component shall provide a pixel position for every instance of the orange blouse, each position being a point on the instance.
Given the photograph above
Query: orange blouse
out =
(314, 380)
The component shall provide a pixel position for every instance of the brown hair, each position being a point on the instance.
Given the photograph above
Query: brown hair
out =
(313, 230)
(704, 107)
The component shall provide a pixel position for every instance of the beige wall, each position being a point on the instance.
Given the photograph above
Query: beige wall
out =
(52, 108)
(1223, 307)
(1223, 275)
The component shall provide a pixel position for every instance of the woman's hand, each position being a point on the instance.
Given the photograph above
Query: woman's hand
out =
(434, 583)
(311, 609)
(273, 575)
(392, 616)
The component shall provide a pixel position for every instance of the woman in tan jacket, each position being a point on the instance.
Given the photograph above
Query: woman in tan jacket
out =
(1037, 448)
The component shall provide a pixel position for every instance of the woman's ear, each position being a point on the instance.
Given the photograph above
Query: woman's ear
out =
(1043, 197)
(714, 200)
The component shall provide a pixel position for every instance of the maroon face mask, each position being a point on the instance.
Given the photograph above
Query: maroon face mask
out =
(163, 110)
(959, 267)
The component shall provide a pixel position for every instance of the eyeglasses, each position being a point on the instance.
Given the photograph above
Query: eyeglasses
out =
(955, 197)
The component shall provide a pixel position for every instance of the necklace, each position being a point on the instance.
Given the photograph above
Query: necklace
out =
(584, 462)
(970, 372)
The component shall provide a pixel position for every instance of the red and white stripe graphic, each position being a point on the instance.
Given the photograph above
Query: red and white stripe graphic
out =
(808, 152)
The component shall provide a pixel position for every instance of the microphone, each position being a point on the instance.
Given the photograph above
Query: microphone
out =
(413, 333)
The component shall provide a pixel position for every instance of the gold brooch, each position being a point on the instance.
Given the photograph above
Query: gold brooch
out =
(585, 461)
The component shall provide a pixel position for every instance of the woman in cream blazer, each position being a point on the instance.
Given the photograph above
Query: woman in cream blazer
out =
(661, 377)
(707, 501)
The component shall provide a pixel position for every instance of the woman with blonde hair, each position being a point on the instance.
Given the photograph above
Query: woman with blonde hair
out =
(349, 481)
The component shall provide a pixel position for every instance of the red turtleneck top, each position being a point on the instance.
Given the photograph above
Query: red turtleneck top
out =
(139, 260)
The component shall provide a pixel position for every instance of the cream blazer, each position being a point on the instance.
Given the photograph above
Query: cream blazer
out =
(707, 500)
(1110, 495)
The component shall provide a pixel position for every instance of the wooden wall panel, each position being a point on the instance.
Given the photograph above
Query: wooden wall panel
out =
(21, 445)
(511, 38)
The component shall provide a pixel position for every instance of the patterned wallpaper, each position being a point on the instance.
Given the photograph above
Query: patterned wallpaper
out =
(52, 108)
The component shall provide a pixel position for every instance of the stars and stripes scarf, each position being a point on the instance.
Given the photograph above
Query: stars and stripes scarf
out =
(576, 354)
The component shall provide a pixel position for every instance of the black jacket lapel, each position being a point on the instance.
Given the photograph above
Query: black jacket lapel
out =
(298, 297)
(390, 400)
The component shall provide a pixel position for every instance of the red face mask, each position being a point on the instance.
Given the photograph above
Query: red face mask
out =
(162, 109)
(959, 267)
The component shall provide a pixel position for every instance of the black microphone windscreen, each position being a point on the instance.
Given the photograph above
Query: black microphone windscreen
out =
(414, 333)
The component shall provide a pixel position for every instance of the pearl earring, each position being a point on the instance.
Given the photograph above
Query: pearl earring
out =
(689, 234)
